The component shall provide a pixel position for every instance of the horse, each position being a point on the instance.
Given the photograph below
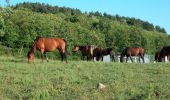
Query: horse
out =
(45, 45)
(98, 53)
(165, 51)
(129, 52)
(109, 51)
(86, 51)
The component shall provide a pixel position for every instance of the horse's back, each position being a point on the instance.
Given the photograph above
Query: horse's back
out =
(50, 44)
(165, 51)
(135, 51)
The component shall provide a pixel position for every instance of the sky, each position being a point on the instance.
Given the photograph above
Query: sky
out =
(156, 12)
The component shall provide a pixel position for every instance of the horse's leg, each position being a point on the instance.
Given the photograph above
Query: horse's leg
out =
(88, 58)
(102, 58)
(42, 57)
(93, 58)
(62, 56)
(127, 58)
(139, 59)
(42, 54)
(113, 59)
(82, 57)
(65, 56)
(131, 59)
(45, 54)
(143, 58)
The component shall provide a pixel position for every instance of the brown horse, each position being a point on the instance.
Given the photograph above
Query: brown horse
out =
(109, 51)
(129, 52)
(45, 45)
(86, 51)
(165, 51)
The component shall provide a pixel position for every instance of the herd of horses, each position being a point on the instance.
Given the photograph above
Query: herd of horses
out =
(89, 52)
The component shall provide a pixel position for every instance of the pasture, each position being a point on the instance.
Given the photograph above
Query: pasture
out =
(78, 80)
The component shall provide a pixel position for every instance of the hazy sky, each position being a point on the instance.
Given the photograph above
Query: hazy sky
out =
(153, 11)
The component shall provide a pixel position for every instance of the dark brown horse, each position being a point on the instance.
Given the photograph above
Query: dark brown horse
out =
(86, 51)
(129, 52)
(98, 53)
(45, 45)
(109, 51)
(165, 51)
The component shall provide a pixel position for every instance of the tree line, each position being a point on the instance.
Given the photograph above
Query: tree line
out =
(22, 23)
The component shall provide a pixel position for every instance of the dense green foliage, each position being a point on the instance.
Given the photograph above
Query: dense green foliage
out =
(21, 24)
(78, 80)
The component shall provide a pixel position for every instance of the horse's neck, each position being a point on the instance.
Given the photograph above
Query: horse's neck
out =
(81, 47)
(124, 53)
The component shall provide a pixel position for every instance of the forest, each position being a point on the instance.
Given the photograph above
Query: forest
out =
(20, 24)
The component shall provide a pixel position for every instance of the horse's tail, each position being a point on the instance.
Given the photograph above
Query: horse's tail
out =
(143, 51)
(65, 53)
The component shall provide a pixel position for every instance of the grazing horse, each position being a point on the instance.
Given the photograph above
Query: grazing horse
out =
(98, 53)
(129, 52)
(109, 51)
(45, 45)
(165, 51)
(86, 51)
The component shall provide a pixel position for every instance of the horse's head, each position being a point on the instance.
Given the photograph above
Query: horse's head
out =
(30, 57)
(75, 48)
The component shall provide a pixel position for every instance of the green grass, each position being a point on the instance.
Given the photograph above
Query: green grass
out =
(78, 80)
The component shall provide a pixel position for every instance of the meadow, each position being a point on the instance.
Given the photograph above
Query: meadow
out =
(78, 80)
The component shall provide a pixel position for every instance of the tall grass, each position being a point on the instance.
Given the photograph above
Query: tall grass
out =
(78, 80)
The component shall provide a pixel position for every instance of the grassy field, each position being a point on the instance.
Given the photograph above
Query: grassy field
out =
(78, 80)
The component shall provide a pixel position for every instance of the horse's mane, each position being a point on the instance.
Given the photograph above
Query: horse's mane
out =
(33, 48)
(37, 38)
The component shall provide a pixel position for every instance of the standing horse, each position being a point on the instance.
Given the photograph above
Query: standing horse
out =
(45, 45)
(109, 51)
(129, 52)
(165, 51)
(86, 51)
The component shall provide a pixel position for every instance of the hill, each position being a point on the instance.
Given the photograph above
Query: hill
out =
(22, 23)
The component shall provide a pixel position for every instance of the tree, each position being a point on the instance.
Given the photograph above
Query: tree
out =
(159, 29)
(148, 26)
